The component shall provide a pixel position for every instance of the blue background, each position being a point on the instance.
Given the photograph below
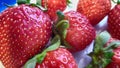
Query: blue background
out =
(9, 2)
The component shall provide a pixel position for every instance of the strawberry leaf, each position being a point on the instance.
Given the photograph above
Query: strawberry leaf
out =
(101, 55)
(38, 2)
(108, 54)
(55, 43)
(101, 40)
(31, 63)
(23, 1)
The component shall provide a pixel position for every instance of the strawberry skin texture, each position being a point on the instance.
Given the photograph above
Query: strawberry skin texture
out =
(112, 65)
(114, 22)
(24, 31)
(80, 32)
(60, 58)
(94, 10)
(53, 6)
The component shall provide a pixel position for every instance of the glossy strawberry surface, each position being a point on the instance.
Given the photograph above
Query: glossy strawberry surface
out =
(94, 10)
(114, 22)
(53, 6)
(24, 31)
(80, 32)
(60, 58)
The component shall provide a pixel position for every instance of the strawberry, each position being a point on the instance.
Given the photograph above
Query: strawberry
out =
(114, 21)
(94, 10)
(112, 65)
(79, 32)
(106, 52)
(53, 6)
(53, 56)
(57, 59)
(24, 31)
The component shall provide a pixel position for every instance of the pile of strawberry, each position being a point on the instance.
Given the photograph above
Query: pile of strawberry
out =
(41, 35)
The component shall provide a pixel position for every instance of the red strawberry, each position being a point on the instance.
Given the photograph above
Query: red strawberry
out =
(114, 22)
(112, 65)
(24, 31)
(80, 32)
(95, 10)
(53, 6)
(60, 58)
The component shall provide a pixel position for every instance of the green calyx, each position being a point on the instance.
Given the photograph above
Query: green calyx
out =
(118, 1)
(23, 1)
(55, 43)
(28, 2)
(101, 55)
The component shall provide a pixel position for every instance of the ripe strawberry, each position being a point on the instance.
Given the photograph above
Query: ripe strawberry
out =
(53, 6)
(95, 10)
(80, 32)
(114, 22)
(24, 31)
(112, 65)
(60, 58)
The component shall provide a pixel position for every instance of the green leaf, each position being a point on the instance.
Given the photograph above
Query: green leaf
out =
(105, 62)
(23, 1)
(31, 63)
(101, 56)
(104, 36)
(40, 57)
(112, 45)
(101, 40)
(38, 2)
(55, 43)
(108, 54)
